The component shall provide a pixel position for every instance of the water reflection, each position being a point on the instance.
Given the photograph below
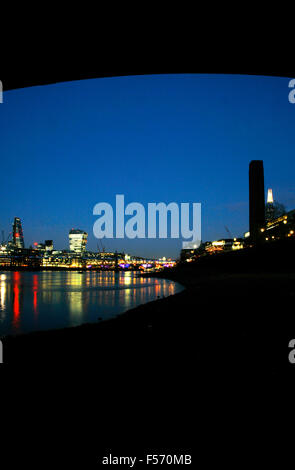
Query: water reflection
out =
(57, 299)
(75, 300)
(16, 301)
(35, 293)
(2, 295)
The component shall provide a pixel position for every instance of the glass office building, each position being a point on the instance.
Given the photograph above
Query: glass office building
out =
(18, 238)
(78, 240)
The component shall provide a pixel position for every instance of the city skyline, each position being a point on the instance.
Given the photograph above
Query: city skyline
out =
(173, 138)
(77, 238)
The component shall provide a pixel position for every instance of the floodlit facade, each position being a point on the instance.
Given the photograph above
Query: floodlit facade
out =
(78, 240)
(269, 208)
(269, 196)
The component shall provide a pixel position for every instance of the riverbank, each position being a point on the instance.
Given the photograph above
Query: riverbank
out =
(236, 314)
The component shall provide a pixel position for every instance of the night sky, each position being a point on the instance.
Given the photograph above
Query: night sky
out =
(165, 138)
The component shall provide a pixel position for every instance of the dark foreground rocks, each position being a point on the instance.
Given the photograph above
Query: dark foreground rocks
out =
(235, 316)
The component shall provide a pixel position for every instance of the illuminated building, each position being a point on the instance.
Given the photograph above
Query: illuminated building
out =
(48, 245)
(256, 199)
(269, 208)
(269, 196)
(190, 245)
(5, 256)
(226, 244)
(237, 245)
(78, 240)
(40, 246)
(209, 248)
(281, 227)
(18, 238)
(25, 257)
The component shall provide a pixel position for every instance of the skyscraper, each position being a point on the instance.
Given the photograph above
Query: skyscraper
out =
(78, 240)
(18, 238)
(269, 196)
(256, 199)
(269, 208)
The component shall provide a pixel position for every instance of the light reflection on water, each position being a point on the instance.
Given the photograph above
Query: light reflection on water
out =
(56, 299)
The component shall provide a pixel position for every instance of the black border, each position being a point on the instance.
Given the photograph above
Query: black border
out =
(18, 81)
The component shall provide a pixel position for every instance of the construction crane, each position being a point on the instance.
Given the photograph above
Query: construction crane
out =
(100, 251)
(229, 232)
(3, 237)
(98, 248)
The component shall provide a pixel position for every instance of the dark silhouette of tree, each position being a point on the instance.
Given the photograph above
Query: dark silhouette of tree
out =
(274, 210)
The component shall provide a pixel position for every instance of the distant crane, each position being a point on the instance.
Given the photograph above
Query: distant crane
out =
(3, 237)
(100, 250)
(228, 231)
(103, 248)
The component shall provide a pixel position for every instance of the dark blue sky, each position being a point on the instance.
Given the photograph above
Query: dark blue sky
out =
(181, 138)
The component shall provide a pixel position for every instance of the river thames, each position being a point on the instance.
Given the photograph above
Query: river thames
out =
(33, 301)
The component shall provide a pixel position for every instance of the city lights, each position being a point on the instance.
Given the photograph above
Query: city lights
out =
(43, 255)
